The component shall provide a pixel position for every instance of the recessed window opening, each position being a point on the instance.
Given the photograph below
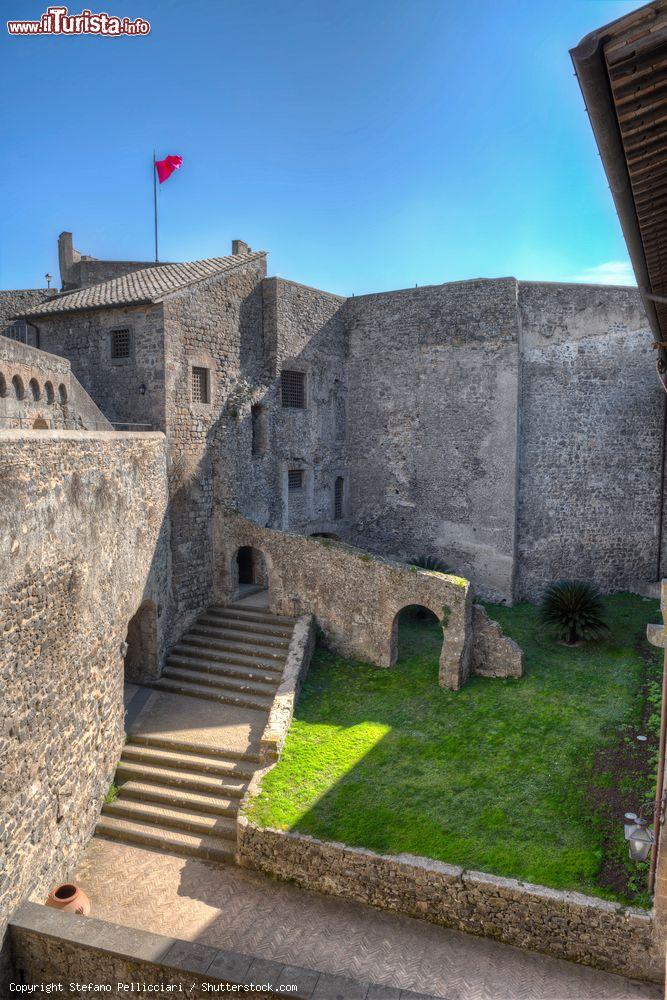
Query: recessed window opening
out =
(295, 480)
(259, 430)
(200, 385)
(293, 389)
(120, 344)
(17, 383)
(338, 498)
(33, 385)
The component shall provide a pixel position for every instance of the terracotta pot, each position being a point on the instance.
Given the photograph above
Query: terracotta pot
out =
(69, 897)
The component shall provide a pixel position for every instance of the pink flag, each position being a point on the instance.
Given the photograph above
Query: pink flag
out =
(166, 167)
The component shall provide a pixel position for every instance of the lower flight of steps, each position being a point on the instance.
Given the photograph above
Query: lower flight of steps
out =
(231, 654)
(178, 797)
(184, 797)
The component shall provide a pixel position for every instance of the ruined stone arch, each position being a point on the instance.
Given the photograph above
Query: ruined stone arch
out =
(50, 394)
(444, 663)
(19, 388)
(33, 388)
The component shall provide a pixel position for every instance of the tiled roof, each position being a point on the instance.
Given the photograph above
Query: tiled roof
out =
(149, 285)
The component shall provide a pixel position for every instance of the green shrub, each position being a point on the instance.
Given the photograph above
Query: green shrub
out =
(573, 611)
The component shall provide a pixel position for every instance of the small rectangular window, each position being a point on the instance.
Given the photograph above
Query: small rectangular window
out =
(293, 389)
(120, 344)
(338, 498)
(295, 480)
(200, 385)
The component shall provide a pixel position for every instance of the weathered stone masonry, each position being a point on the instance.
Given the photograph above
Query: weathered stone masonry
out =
(83, 540)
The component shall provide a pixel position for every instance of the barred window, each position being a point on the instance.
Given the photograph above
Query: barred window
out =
(338, 498)
(200, 385)
(293, 389)
(17, 331)
(120, 344)
(295, 480)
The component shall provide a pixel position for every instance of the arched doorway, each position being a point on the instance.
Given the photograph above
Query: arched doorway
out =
(250, 570)
(417, 632)
(141, 661)
(40, 424)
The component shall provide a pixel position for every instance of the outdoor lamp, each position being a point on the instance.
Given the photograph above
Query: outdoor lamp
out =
(629, 821)
(640, 841)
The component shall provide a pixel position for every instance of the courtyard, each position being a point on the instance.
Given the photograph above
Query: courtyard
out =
(524, 778)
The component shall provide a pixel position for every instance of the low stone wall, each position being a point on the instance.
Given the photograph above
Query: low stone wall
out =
(563, 924)
(51, 947)
(301, 648)
(83, 539)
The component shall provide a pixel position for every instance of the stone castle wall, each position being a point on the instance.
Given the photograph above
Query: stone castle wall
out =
(590, 414)
(216, 325)
(34, 386)
(432, 411)
(83, 540)
(128, 390)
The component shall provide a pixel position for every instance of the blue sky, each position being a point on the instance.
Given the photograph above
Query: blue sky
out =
(367, 145)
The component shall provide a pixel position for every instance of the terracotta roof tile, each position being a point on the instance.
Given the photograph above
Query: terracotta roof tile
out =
(149, 285)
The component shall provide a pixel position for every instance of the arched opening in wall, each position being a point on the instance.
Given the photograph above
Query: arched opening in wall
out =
(19, 390)
(251, 571)
(3, 386)
(50, 394)
(62, 394)
(416, 640)
(141, 659)
(40, 424)
(33, 389)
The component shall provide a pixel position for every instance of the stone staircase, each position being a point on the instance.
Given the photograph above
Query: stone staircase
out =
(183, 795)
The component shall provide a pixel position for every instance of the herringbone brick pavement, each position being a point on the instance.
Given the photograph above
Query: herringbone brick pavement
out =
(231, 908)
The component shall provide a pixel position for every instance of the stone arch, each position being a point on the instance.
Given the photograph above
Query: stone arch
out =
(19, 388)
(40, 424)
(443, 669)
(50, 394)
(141, 656)
(62, 393)
(3, 386)
(250, 568)
(34, 390)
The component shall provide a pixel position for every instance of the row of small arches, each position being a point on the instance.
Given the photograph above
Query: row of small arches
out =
(34, 391)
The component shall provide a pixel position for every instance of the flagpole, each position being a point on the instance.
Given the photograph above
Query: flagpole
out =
(155, 204)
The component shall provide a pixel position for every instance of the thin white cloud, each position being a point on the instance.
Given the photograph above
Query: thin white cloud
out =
(614, 272)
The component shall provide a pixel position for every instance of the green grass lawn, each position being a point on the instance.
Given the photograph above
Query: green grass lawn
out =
(523, 778)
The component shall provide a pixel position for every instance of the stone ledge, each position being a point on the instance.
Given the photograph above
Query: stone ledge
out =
(52, 946)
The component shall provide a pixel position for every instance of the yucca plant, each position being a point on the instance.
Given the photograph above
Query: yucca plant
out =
(433, 563)
(574, 611)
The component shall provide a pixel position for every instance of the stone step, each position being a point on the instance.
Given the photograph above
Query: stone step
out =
(176, 841)
(190, 673)
(182, 798)
(172, 817)
(259, 628)
(171, 743)
(212, 694)
(228, 787)
(184, 654)
(243, 637)
(183, 761)
(201, 636)
(241, 613)
(237, 642)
